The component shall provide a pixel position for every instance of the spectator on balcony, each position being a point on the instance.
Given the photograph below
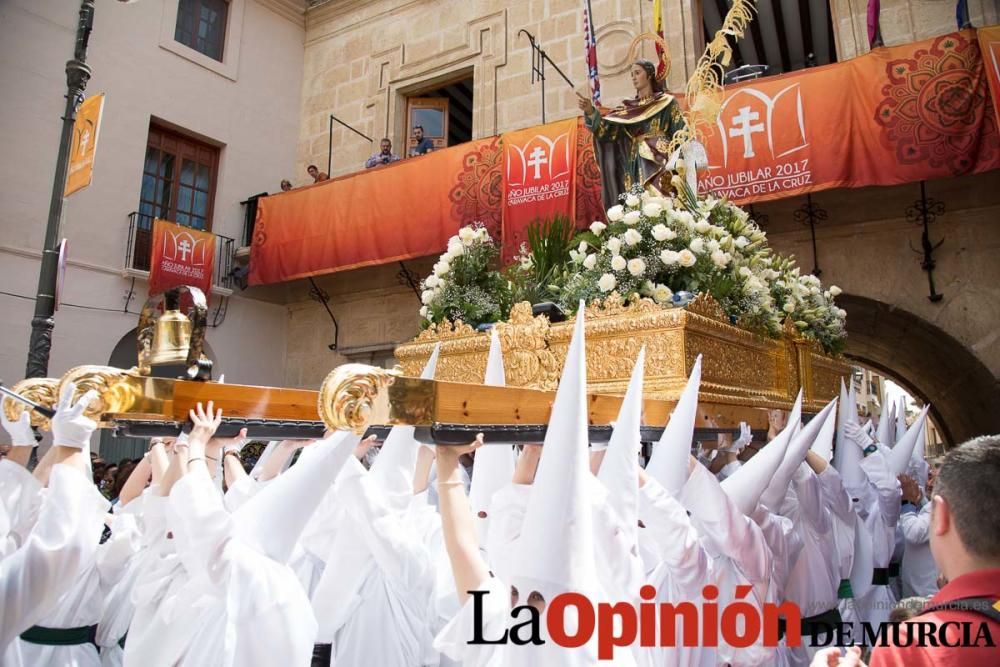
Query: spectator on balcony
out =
(384, 156)
(316, 174)
(424, 144)
(286, 185)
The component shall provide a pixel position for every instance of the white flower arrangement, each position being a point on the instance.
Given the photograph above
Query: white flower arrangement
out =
(464, 284)
(656, 247)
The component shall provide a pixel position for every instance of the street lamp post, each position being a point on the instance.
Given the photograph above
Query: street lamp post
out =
(42, 324)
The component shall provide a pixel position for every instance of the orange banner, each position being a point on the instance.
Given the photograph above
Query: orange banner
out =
(181, 256)
(989, 44)
(539, 178)
(404, 210)
(83, 147)
(896, 115)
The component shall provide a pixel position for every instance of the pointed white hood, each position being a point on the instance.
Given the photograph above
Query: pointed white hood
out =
(396, 461)
(900, 419)
(847, 458)
(494, 465)
(620, 468)
(919, 468)
(774, 495)
(842, 413)
(886, 423)
(823, 444)
(274, 518)
(899, 457)
(669, 461)
(555, 550)
(745, 486)
(864, 559)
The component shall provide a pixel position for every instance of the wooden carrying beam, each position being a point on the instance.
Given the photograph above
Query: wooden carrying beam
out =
(357, 397)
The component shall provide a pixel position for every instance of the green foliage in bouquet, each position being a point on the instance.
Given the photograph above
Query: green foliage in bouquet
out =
(541, 268)
(465, 284)
(650, 247)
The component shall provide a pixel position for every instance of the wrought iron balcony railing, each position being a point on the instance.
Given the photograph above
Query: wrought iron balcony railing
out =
(139, 248)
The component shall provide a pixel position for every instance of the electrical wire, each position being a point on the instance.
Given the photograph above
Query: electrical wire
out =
(218, 322)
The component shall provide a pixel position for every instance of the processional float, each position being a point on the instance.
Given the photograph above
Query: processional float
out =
(743, 375)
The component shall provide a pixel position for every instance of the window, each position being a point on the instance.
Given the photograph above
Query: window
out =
(178, 179)
(784, 36)
(201, 25)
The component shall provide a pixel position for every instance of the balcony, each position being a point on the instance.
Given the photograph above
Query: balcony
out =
(139, 248)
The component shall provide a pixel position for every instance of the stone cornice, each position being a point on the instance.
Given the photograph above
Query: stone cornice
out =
(292, 10)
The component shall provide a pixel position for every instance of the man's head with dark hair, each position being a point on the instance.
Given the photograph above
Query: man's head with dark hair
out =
(965, 529)
(313, 170)
(386, 146)
(418, 132)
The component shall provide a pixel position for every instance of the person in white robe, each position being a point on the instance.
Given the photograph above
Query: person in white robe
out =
(238, 602)
(795, 492)
(60, 546)
(919, 572)
(555, 548)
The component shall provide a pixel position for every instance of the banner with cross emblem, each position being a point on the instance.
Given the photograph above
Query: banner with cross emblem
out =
(539, 179)
(180, 256)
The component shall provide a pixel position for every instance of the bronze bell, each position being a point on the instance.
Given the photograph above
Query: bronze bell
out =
(171, 339)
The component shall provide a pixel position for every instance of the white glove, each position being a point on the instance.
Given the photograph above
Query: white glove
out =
(746, 437)
(70, 427)
(20, 431)
(858, 435)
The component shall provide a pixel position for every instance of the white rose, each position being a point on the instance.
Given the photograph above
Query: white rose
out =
(662, 294)
(702, 226)
(841, 313)
(745, 271)
(582, 248)
(590, 261)
(597, 227)
(427, 296)
(636, 267)
(814, 290)
(713, 246)
(755, 285)
(668, 257)
(616, 213)
(632, 201)
(442, 267)
(615, 245)
(455, 249)
(720, 259)
(697, 246)
(632, 217)
(618, 263)
(662, 233)
(632, 237)
(432, 281)
(742, 242)
(454, 239)
(685, 218)
(423, 312)
(835, 291)
(686, 258)
(607, 282)
(652, 209)
(789, 307)
(467, 235)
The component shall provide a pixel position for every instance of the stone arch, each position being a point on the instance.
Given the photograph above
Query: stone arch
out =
(931, 364)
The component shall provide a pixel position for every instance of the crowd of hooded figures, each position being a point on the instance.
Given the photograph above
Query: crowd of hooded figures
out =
(401, 563)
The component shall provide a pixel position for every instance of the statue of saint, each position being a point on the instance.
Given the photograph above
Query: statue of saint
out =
(632, 140)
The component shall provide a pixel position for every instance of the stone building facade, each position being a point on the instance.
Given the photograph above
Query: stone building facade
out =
(363, 58)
